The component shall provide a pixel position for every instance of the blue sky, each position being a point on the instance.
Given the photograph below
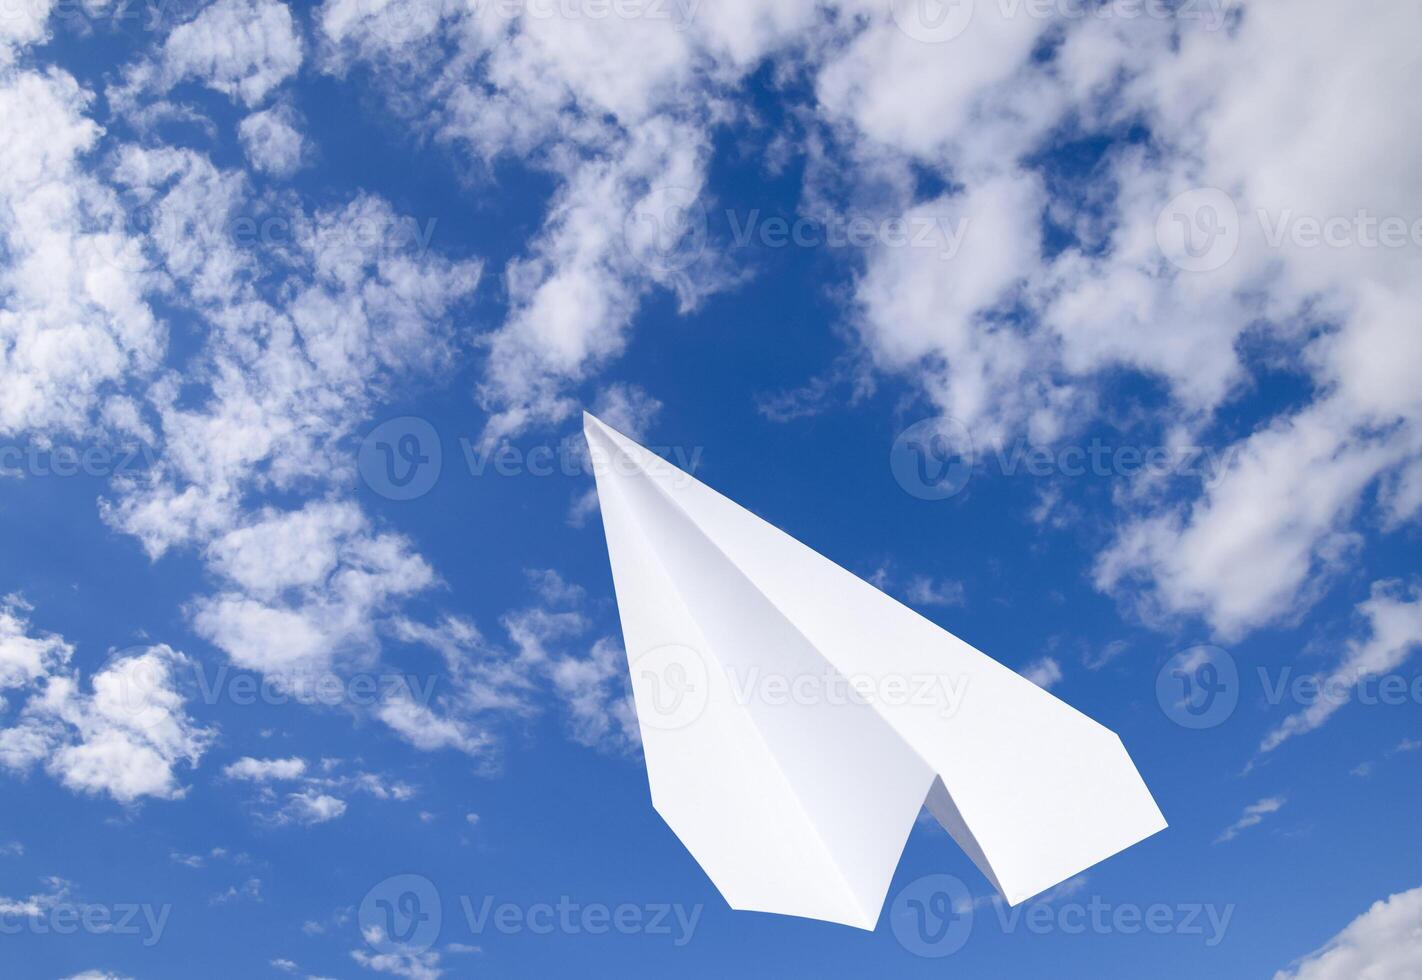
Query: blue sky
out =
(257, 710)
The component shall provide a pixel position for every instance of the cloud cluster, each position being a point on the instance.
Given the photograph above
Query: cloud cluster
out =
(1066, 277)
(290, 791)
(126, 736)
(241, 48)
(1385, 941)
(74, 325)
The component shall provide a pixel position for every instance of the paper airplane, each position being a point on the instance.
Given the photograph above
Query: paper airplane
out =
(795, 719)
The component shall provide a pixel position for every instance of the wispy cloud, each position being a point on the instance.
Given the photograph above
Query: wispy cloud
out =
(1253, 815)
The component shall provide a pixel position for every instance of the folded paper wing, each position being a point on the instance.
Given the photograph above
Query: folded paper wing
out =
(795, 719)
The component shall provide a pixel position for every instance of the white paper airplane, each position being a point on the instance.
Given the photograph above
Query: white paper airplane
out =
(795, 719)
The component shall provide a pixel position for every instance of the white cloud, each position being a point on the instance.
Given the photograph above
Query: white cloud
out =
(628, 408)
(25, 659)
(411, 965)
(73, 322)
(616, 109)
(419, 725)
(310, 587)
(924, 591)
(1253, 815)
(573, 298)
(310, 807)
(36, 905)
(1254, 549)
(998, 332)
(272, 140)
(250, 890)
(1394, 617)
(599, 704)
(291, 371)
(930, 311)
(481, 678)
(553, 589)
(22, 25)
(265, 770)
(1045, 672)
(313, 794)
(125, 738)
(977, 100)
(241, 48)
(1384, 942)
(311, 318)
(97, 975)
